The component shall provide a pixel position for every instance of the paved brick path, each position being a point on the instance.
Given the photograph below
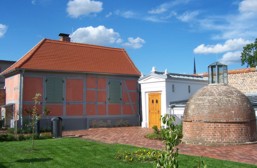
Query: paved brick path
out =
(135, 136)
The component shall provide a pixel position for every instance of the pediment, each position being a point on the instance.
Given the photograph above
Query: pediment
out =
(151, 79)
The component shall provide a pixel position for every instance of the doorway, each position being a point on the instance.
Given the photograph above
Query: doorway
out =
(154, 103)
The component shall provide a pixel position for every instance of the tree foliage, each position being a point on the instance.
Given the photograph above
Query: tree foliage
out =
(249, 54)
(169, 159)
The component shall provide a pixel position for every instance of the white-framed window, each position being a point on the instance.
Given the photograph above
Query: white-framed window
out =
(173, 88)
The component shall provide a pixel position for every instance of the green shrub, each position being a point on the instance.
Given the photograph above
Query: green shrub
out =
(142, 155)
(155, 129)
(160, 133)
(10, 130)
(45, 135)
(22, 137)
(7, 137)
(3, 137)
(154, 136)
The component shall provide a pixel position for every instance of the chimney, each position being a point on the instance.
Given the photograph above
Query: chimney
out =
(64, 37)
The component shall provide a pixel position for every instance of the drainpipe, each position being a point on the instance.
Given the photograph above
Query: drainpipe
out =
(21, 97)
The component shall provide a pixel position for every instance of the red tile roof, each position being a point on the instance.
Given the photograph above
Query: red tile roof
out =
(244, 70)
(235, 71)
(53, 55)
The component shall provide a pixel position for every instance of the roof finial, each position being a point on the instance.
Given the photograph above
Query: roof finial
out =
(194, 66)
(153, 69)
(166, 72)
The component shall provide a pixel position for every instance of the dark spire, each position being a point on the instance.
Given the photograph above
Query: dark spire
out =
(194, 66)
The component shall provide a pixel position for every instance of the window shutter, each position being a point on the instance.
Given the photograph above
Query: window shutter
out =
(115, 91)
(54, 90)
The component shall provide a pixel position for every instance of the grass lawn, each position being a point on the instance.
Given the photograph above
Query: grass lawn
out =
(75, 152)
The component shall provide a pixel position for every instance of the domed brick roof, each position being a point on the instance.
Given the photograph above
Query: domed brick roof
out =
(219, 103)
(219, 114)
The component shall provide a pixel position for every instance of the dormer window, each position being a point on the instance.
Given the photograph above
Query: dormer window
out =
(218, 73)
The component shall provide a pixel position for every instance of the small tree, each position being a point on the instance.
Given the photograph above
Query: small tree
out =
(249, 54)
(169, 159)
(35, 116)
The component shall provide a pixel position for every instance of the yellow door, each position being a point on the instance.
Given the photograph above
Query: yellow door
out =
(154, 102)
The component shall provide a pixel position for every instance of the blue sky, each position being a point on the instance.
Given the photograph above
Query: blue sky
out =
(167, 34)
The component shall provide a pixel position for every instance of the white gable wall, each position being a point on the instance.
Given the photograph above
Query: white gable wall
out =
(149, 86)
(164, 86)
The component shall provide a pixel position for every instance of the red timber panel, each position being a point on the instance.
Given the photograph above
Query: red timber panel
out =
(91, 109)
(101, 83)
(74, 90)
(55, 109)
(125, 97)
(91, 82)
(30, 107)
(114, 109)
(101, 96)
(91, 96)
(74, 109)
(32, 85)
(133, 97)
(131, 84)
(127, 109)
(101, 109)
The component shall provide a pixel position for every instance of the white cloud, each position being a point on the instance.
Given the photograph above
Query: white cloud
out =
(188, 16)
(96, 35)
(231, 57)
(126, 14)
(76, 8)
(134, 42)
(166, 6)
(3, 29)
(229, 45)
(248, 6)
(240, 25)
(154, 19)
(103, 36)
(41, 2)
(161, 9)
(108, 14)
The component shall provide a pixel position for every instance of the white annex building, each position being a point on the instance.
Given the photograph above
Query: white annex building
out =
(163, 92)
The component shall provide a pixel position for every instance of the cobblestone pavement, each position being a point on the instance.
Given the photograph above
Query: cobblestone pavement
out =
(136, 136)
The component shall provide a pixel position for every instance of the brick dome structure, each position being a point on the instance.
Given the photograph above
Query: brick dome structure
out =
(219, 114)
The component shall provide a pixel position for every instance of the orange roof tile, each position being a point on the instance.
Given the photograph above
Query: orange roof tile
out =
(53, 55)
(235, 71)
(244, 70)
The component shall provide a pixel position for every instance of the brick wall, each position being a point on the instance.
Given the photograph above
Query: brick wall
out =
(246, 82)
(2, 97)
(219, 133)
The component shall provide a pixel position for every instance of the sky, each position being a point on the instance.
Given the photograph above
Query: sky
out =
(165, 34)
